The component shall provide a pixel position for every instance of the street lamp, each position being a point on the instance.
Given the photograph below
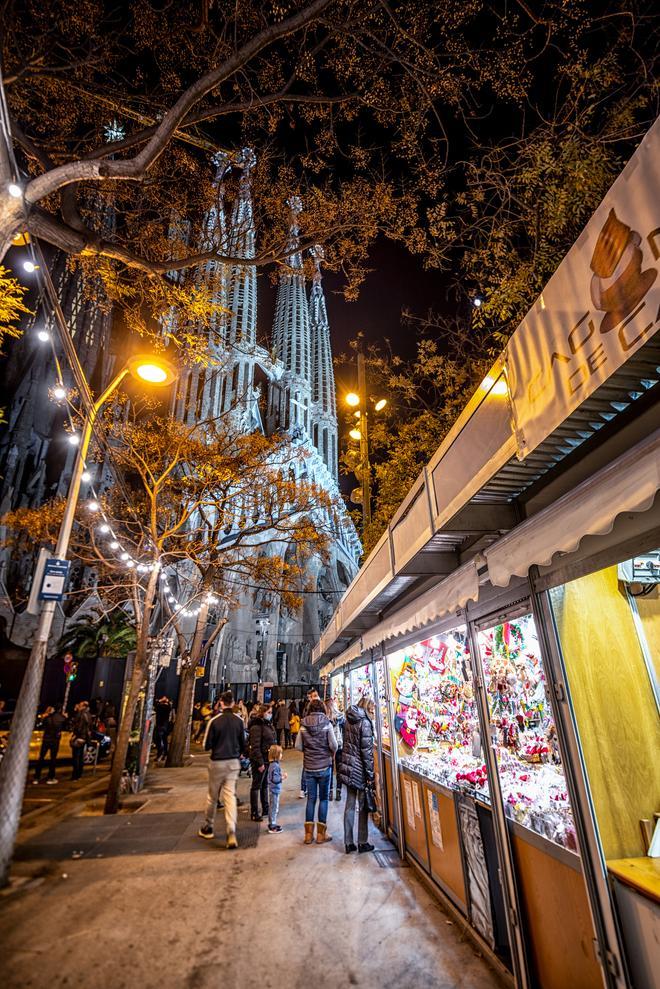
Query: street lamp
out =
(359, 401)
(14, 765)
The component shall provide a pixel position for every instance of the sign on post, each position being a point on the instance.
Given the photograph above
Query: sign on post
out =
(54, 578)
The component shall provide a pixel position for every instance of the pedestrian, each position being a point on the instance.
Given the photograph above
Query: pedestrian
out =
(294, 724)
(261, 735)
(337, 720)
(81, 730)
(275, 779)
(281, 723)
(225, 740)
(318, 743)
(356, 771)
(197, 722)
(53, 725)
(243, 712)
(164, 712)
(109, 719)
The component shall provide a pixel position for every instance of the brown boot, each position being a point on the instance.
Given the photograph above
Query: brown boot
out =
(322, 833)
(309, 832)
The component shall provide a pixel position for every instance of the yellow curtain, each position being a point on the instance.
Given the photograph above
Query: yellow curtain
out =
(614, 706)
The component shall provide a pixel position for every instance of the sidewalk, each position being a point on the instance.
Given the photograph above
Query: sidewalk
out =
(140, 900)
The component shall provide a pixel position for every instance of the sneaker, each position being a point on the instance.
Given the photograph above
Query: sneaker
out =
(365, 847)
(36, 782)
(274, 829)
(256, 817)
(351, 848)
(231, 840)
(51, 782)
(302, 795)
(206, 831)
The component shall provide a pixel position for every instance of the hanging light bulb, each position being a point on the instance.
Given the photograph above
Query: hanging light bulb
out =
(93, 506)
(59, 393)
(124, 556)
(43, 336)
(104, 528)
(114, 544)
(74, 439)
(14, 190)
(130, 563)
(29, 266)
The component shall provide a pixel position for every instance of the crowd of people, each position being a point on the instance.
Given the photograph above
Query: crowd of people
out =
(88, 724)
(337, 750)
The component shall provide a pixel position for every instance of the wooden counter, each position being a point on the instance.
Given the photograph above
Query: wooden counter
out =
(643, 874)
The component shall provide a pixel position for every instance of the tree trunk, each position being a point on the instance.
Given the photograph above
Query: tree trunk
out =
(123, 735)
(181, 733)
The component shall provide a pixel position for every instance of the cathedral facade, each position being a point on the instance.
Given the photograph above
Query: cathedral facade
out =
(284, 386)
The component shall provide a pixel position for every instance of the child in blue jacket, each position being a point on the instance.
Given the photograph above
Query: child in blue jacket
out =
(275, 780)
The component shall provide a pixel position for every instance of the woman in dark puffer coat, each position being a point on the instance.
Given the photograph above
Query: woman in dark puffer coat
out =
(356, 771)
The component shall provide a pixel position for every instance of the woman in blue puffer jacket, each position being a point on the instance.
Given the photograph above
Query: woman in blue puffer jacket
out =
(318, 743)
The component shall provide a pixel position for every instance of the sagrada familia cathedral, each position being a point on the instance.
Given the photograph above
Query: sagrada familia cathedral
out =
(287, 387)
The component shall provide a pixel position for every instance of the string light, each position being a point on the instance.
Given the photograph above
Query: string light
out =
(59, 393)
(43, 336)
(104, 528)
(29, 266)
(74, 439)
(93, 506)
(14, 190)
(114, 544)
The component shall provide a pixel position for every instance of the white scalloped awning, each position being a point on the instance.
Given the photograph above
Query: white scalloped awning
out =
(628, 484)
(347, 656)
(450, 594)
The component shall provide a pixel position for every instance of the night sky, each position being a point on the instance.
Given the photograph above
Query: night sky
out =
(397, 282)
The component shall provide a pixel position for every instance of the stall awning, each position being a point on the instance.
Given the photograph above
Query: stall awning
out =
(347, 656)
(450, 594)
(628, 484)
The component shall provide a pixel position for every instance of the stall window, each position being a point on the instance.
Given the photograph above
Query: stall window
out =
(523, 733)
(608, 625)
(382, 705)
(337, 691)
(435, 722)
(360, 684)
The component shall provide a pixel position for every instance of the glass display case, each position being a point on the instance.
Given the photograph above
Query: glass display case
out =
(360, 684)
(523, 731)
(382, 705)
(337, 691)
(435, 716)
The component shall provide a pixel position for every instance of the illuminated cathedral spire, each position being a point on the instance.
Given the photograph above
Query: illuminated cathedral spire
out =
(291, 334)
(242, 295)
(324, 402)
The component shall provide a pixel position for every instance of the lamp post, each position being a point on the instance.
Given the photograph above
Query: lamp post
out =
(15, 763)
(359, 402)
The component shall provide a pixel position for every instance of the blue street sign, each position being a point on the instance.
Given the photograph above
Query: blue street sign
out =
(55, 575)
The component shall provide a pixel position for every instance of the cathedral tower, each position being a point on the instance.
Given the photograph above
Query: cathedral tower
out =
(324, 402)
(291, 399)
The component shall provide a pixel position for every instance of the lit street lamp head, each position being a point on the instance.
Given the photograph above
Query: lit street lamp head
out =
(352, 399)
(380, 404)
(155, 370)
(355, 434)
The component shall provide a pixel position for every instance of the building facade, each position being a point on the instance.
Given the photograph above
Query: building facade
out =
(284, 386)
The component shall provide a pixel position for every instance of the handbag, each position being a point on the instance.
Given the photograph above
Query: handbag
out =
(370, 798)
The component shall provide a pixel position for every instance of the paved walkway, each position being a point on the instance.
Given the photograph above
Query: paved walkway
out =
(139, 901)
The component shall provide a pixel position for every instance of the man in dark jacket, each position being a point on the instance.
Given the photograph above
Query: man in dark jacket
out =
(164, 711)
(281, 723)
(225, 740)
(53, 723)
(356, 771)
(81, 732)
(261, 736)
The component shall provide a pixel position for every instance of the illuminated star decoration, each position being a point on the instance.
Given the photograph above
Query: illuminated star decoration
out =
(114, 131)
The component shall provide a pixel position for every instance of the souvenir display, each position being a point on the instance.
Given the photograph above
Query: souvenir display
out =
(337, 691)
(523, 731)
(360, 684)
(382, 704)
(435, 720)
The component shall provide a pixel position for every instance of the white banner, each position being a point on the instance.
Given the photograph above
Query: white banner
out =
(601, 305)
